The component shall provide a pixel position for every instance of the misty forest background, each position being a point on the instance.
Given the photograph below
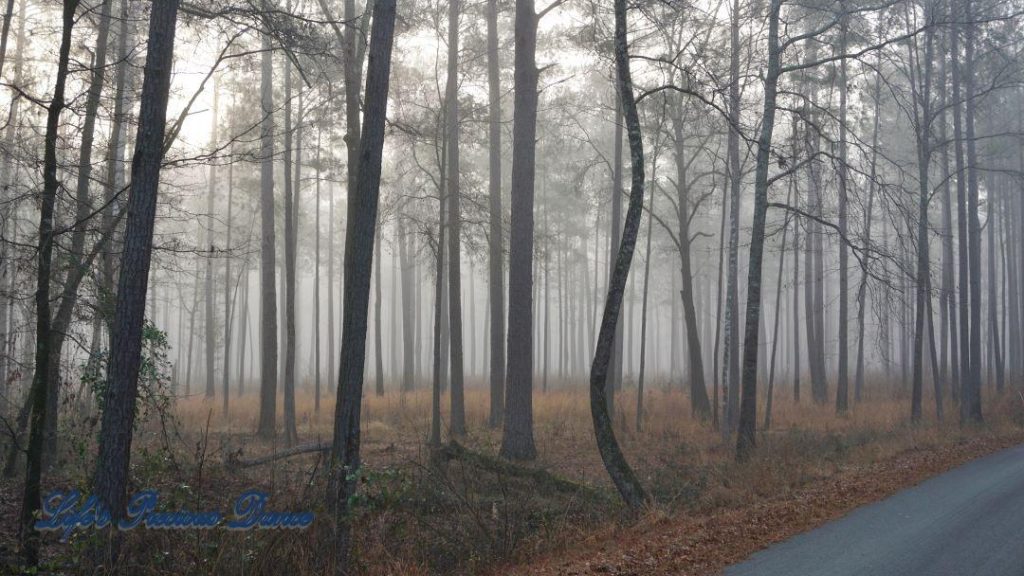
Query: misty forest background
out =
(497, 233)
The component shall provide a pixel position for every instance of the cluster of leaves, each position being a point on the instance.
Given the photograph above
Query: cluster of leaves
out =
(155, 395)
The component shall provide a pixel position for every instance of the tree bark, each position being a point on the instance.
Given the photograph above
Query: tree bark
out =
(615, 463)
(362, 219)
(28, 537)
(268, 285)
(517, 438)
(115, 439)
(496, 264)
(746, 438)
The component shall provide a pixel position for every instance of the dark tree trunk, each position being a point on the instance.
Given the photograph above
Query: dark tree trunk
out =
(115, 439)
(378, 343)
(290, 432)
(699, 404)
(28, 536)
(210, 316)
(229, 309)
(517, 438)
(496, 264)
(458, 409)
(268, 289)
(842, 376)
(731, 380)
(972, 394)
(362, 219)
(746, 438)
(614, 462)
(408, 308)
(316, 289)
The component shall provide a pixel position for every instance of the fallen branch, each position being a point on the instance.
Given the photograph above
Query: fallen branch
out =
(235, 460)
(455, 451)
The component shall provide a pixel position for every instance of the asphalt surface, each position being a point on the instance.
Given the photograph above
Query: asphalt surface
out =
(968, 521)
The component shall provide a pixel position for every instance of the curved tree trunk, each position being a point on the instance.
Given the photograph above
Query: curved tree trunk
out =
(614, 462)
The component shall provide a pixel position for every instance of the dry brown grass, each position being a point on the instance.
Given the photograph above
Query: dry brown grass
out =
(417, 518)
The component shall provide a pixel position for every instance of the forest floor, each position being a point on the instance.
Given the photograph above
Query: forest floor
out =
(470, 512)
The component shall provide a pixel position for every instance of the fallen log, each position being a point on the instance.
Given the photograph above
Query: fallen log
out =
(236, 461)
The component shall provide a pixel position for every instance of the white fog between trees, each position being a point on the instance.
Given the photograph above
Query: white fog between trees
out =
(284, 207)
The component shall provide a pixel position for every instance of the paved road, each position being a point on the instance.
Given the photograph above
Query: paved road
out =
(968, 521)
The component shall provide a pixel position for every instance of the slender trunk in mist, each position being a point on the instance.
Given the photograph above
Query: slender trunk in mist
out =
(643, 314)
(842, 377)
(972, 394)
(210, 317)
(243, 328)
(496, 264)
(359, 240)
(715, 404)
(700, 406)
(614, 381)
(268, 289)
(377, 336)
(290, 432)
(331, 358)
(316, 288)
(458, 409)
(111, 479)
(546, 269)
(192, 329)
(28, 537)
(83, 207)
(858, 379)
(615, 463)
(746, 438)
(732, 332)
(920, 80)
(408, 307)
(993, 308)
(517, 437)
(778, 313)
(229, 309)
(438, 356)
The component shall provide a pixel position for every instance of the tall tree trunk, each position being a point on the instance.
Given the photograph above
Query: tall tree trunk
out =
(83, 208)
(408, 307)
(496, 264)
(921, 91)
(732, 350)
(842, 377)
(778, 313)
(517, 438)
(111, 480)
(700, 406)
(229, 309)
(362, 219)
(858, 379)
(268, 286)
(614, 382)
(28, 537)
(290, 432)
(378, 352)
(746, 438)
(643, 313)
(615, 463)
(458, 408)
(972, 395)
(331, 358)
(210, 317)
(316, 288)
